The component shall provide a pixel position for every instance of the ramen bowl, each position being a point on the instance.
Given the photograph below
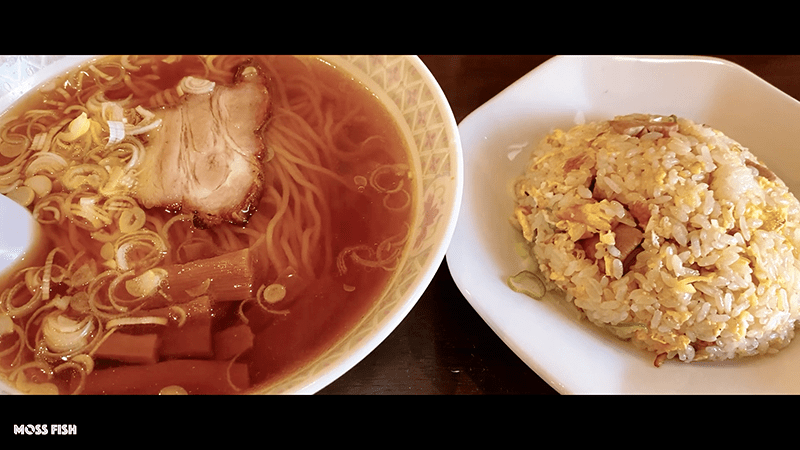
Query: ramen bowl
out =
(411, 95)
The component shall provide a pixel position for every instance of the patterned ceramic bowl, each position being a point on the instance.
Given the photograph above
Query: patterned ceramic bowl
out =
(409, 91)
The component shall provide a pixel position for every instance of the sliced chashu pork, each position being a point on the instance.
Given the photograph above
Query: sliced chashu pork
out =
(205, 158)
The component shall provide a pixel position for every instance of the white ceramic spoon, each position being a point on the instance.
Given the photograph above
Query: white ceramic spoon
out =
(20, 236)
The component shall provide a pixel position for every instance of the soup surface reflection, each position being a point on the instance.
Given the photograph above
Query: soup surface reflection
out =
(213, 223)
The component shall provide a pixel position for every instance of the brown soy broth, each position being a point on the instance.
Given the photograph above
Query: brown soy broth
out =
(328, 307)
(326, 312)
(288, 342)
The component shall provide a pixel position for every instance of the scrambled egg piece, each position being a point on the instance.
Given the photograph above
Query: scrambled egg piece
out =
(772, 218)
(684, 285)
(522, 217)
(586, 217)
(665, 342)
(738, 325)
(676, 318)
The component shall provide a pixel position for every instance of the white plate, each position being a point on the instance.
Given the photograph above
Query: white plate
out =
(573, 357)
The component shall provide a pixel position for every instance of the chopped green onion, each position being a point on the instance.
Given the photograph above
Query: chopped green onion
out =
(528, 283)
(629, 325)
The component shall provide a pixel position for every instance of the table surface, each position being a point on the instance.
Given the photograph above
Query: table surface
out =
(443, 346)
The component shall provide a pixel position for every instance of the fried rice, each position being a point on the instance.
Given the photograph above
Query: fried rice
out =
(667, 233)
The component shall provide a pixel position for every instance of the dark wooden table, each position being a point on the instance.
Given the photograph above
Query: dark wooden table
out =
(443, 346)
